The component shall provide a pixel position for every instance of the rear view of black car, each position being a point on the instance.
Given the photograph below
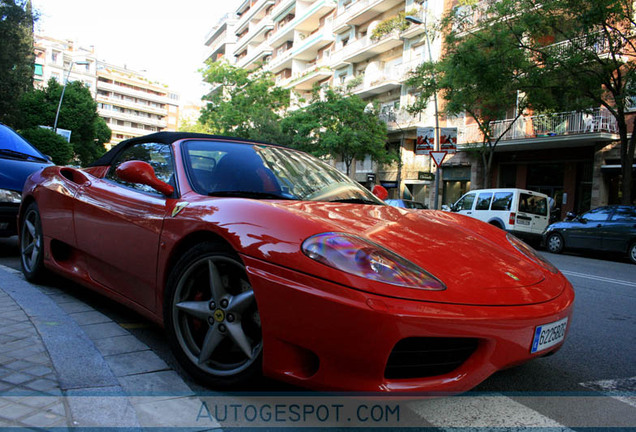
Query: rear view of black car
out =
(605, 229)
(18, 159)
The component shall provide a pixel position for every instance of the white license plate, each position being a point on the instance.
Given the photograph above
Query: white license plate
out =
(548, 335)
(523, 222)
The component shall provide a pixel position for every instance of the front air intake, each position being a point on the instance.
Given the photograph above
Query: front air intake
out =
(421, 357)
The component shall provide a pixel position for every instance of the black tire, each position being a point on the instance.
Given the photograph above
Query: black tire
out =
(631, 253)
(554, 243)
(211, 318)
(32, 245)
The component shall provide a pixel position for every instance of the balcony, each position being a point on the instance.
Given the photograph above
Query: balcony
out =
(400, 120)
(304, 21)
(255, 34)
(281, 61)
(547, 131)
(117, 89)
(133, 118)
(362, 11)
(308, 48)
(219, 45)
(362, 49)
(254, 55)
(380, 84)
(255, 12)
(309, 20)
(306, 79)
(118, 101)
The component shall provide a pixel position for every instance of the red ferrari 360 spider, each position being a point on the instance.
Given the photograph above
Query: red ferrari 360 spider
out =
(258, 259)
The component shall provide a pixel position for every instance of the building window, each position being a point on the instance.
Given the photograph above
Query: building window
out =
(38, 70)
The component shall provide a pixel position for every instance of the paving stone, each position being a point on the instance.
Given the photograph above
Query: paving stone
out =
(135, 363)
(180, 412)
(17, 378)
(14, 411)
(42, 385)
(164, 384)
(104, 330)
(119, 345)
(44, 419)
(39, 370)
(75, 307)
(89, 317)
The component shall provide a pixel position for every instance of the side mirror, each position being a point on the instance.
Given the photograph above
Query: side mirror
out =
(380, 192)
(142, 173)
(447, 208)
(570, 216)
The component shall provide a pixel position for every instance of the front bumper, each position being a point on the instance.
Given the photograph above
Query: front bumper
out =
(8, 219)
(326, 336)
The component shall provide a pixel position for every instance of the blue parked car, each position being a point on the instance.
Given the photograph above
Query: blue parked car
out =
(18, 159)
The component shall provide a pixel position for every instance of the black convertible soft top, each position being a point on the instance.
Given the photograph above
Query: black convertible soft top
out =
(161, 138)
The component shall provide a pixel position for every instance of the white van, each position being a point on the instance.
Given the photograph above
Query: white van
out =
(521, 212)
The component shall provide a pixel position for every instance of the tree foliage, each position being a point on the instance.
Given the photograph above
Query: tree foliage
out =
(78, 113)
(337, 125)
(50, 143)
(243, 104)
(557, 55)
(16, 56)
(587, 49)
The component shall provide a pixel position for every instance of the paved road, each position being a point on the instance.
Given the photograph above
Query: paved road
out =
(599, 356)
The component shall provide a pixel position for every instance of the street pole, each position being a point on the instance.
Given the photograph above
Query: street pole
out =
(436, 147)
(59, 105)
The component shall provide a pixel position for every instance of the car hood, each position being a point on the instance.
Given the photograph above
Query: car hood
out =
(474, 260)
(13, 172)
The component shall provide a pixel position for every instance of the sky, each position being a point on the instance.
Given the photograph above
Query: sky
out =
(163, 37)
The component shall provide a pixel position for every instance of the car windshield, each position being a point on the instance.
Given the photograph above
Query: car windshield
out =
(219, 168)
(12, 144)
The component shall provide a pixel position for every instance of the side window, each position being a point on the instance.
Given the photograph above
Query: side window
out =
(159, 156)
(600, 214)
(466, 203)
(625, 214)
(483, 201)
(533, 204)
(502, 201)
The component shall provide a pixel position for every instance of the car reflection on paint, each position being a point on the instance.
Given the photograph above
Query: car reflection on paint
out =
(604, 229)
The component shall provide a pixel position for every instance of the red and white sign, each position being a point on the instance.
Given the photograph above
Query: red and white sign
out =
(438, 156)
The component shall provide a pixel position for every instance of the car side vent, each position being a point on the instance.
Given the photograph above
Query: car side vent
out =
(420, 357)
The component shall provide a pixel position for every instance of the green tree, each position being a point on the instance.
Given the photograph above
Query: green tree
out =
(337, 126)
(587, 49)
(16, 56)
(50, 143)
(481, 74)
(78, 114)
(244, 103)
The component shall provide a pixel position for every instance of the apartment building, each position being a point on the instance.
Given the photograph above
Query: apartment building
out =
(130, 103)
(55, 58)
(572, 157)
(365, 46)
(133, 105)
(368, 48)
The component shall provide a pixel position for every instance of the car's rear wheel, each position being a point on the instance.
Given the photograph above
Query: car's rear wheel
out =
(211, 317)
(631, 253)
(32, 244)
(554, 243)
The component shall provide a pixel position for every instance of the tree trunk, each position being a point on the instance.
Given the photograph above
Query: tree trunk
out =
(627, 162)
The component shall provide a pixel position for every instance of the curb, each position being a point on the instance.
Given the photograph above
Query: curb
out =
(104, 373)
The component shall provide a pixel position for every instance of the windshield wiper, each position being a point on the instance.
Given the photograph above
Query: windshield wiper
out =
(355, 201)
(20, 155)
(248, 194)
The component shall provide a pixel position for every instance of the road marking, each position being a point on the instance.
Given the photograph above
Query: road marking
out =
(599, 278)
(623, 389)
(474, 412)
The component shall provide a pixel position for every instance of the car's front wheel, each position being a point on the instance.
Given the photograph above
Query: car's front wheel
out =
(32, 244)
(631, 253)
(211, 317)
(554, 243)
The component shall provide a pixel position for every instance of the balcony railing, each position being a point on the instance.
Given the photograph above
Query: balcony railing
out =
(542, 126)
(400, 120)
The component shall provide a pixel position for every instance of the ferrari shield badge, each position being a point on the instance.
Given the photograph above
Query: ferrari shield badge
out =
(178, 208)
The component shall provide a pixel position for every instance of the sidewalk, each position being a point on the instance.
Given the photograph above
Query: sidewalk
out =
(64, 365)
